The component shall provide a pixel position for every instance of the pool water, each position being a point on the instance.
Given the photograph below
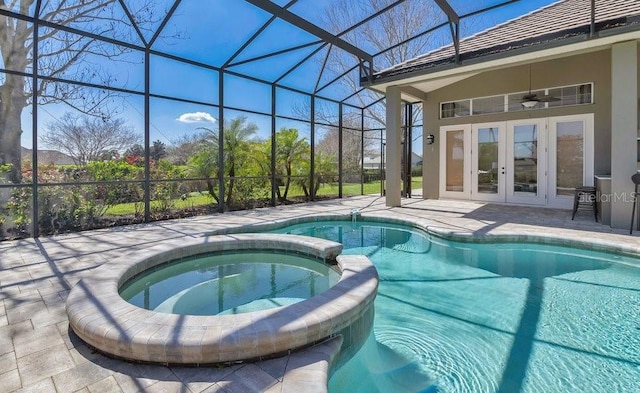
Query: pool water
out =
(229, 283)
(478, 317)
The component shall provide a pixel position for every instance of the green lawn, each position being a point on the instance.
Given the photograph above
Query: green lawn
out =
(354, 188)
(196, 199)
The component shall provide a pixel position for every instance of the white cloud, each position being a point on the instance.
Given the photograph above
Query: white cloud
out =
(196, 117)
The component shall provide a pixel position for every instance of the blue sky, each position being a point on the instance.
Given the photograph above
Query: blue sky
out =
(212, 35)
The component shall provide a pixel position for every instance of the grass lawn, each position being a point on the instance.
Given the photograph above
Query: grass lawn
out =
(354, 188)
(196, 199)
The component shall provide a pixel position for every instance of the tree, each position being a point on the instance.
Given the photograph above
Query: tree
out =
(290, 150)
(351, 147)
(325, 170)
(86, 138)
(158, 150)
(61, 54)
(204, 164)
(398, 24)
(137, 150)
(185, 147)
(109, 155)
(237, 150)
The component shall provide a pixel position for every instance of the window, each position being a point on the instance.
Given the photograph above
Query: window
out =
(482, 106)
(512, 102)
(515, 101)
(455, 109)
(571, 95)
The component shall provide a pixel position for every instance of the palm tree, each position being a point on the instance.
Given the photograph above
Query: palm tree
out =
(290, 150)
(236, 150)
(325, 171)
(204, 164)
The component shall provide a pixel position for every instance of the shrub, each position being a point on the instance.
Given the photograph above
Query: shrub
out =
(114, 193)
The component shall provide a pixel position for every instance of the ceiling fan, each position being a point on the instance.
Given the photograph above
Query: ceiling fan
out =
(530, 99)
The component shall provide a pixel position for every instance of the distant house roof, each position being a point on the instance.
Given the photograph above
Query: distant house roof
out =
(552, 24)
(48, 157)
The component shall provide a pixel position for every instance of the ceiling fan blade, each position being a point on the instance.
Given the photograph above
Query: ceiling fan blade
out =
(547, 98)
(529, 97)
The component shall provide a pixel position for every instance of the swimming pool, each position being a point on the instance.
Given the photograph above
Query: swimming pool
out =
(482, 317)
(229, 283)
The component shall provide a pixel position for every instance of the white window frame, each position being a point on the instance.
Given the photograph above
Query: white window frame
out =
(506, 100)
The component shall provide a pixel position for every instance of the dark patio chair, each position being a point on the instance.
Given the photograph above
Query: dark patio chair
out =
(636, 180)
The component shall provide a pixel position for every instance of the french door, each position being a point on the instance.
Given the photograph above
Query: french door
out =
(455, 165)
(526, 162)
(531, 161)
(488, 162)
(571, 145)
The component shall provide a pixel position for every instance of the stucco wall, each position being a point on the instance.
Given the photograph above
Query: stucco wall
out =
(591, 67)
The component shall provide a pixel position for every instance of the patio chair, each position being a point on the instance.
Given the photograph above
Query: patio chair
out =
(636, 180)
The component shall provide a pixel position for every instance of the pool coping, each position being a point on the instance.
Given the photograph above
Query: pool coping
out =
(440, 231)
(105, 321)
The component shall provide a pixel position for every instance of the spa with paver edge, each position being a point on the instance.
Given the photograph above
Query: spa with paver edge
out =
(103, 319)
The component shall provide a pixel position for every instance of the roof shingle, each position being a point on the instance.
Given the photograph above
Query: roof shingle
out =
(563, 19)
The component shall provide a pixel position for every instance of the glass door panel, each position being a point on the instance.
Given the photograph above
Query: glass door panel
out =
(526, 162)
(454, 161)
(525, 159)
(570, 157)
(488, 168)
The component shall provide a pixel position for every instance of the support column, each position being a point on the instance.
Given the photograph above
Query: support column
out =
(393, 148)
(430, 159)
(624, 129)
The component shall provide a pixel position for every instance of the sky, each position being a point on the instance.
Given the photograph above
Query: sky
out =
(212, 35)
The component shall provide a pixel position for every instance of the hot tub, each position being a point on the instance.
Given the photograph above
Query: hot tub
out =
(230, 282)
(103, 319)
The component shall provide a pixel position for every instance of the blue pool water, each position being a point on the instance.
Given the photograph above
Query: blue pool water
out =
(472, 317)
(229, 283)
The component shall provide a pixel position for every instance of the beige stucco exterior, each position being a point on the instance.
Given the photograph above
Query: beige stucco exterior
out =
(610, 62)
(624, 122)
(592, 67)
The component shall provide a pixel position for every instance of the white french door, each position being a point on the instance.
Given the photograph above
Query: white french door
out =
(531, 161)
(526, 159)
(455, 166)
(571, 145)
(488, 147)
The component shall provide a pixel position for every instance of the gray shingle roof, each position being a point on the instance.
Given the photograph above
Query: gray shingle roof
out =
(557, 21)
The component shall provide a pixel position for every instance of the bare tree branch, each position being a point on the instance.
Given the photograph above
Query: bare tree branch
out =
(63, 55)
(85, 138)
